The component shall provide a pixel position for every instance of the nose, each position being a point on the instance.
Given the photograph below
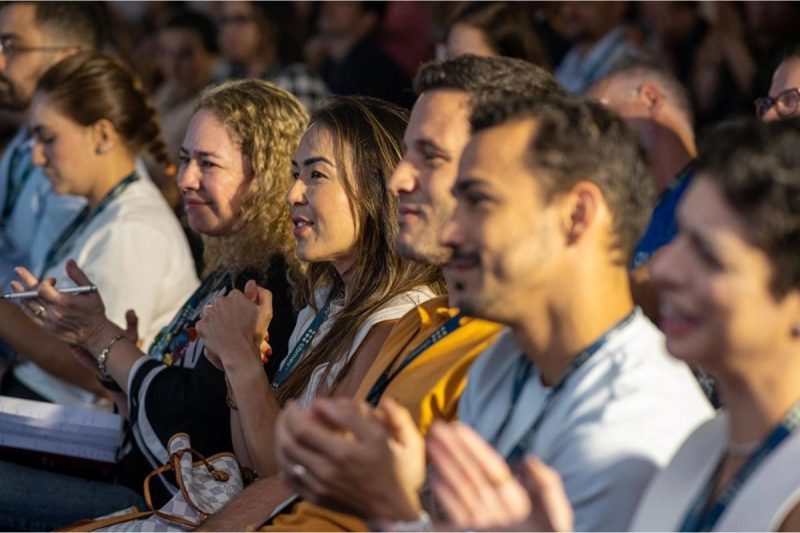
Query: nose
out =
(188, 178)
(37, 154)
(296, 195)
(666, 267)
(404, 179)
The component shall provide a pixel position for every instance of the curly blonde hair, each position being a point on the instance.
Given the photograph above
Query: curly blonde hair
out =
(266, 122)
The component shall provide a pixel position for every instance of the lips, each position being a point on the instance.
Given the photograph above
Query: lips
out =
(675, 322)
(301, 224)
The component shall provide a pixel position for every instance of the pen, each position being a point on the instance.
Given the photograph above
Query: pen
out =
(33, 294)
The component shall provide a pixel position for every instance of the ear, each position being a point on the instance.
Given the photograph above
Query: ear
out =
(104, 135)
(581, 209)
(652, 96)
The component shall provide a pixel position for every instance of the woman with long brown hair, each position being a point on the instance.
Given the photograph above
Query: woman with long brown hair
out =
(345, 226)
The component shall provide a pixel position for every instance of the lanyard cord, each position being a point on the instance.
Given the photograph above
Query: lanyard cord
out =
(523, 372)
(702, 515)
(60, 248)
(299, 349)
(382, 383)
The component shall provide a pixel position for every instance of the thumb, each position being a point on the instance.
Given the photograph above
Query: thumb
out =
(251, 291)
(397, 420)
(132, 321)
(76, 274)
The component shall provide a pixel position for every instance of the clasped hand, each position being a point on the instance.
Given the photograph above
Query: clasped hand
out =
(233, 327)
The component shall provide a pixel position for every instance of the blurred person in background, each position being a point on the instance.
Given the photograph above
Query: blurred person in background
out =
(257, 41)
(187, 52)
(783, 99)
(599, 41)
(350, 59)
(735, 61)
(495, 29)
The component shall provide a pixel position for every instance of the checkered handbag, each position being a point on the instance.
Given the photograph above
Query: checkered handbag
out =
(206, 485)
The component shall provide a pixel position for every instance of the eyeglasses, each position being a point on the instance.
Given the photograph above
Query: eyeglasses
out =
(785, 103)
(8, 47)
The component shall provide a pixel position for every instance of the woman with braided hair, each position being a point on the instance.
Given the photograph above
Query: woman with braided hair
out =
(91, 119)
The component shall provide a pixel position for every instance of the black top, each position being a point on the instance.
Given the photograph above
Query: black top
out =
(188, 395)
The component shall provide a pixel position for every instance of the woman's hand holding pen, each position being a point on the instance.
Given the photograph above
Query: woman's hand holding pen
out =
(233, 328)
(76, 319)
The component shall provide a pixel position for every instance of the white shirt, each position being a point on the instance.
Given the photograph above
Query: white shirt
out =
(136, 253)
(618, 418)
(762, 504)
(394, 309)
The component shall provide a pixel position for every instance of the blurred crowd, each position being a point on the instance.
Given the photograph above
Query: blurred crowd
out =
(405, 260)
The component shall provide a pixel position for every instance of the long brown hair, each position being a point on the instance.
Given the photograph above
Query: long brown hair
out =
(267, 123)
(371, 132)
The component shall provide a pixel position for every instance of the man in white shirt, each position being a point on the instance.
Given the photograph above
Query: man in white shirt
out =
(552, 195)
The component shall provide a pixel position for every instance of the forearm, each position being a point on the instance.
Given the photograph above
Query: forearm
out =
(257, 410)
(239, 441)
(38, 345)
(251, 507)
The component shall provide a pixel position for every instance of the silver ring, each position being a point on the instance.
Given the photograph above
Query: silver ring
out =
(40, 311)
(299, 471)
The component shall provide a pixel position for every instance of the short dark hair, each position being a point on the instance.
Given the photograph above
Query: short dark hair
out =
(643, 66)
(756, 166)
(71, 23)
(187, 19)
(577, 139)
(507, 28)
(487, 77)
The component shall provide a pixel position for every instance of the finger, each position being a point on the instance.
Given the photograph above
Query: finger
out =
(132, 324)
(348, 414)
(491, 463)
(76, 274)
(398, 421)
(453, 507)
(312, 434)
(16, 286)
(449, 470)
(26, 277)
(251, 291)
(550, 505)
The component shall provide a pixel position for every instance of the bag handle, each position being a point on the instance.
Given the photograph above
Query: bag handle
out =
(174, 465)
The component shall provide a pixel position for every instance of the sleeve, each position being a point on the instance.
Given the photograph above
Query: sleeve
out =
(165, 400)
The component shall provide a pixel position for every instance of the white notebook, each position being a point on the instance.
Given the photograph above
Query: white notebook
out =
(63, 430)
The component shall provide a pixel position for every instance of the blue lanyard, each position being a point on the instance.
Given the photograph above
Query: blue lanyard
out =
(164, 344)
(701, 515)
(380, 385)
(305, 340)
(61, 247)
(523, 371)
